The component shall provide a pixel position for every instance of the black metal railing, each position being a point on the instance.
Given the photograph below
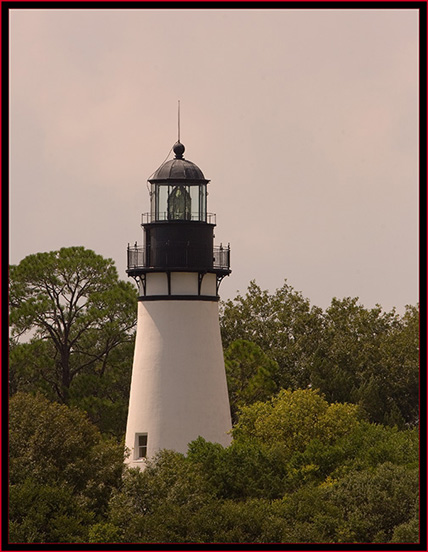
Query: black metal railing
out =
(147, 218)
(137, 258)
(221, 256)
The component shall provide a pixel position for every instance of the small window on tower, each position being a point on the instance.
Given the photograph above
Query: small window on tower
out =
(140, 446)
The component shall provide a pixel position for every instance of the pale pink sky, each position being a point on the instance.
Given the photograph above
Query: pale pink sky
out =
(306, 122)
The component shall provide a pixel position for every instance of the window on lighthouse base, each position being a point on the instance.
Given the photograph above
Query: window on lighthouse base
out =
(140, 449)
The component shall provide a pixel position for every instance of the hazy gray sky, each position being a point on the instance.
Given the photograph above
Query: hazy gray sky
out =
(306, 122)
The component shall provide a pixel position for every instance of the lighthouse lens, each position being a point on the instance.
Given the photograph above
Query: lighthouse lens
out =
(179, 204)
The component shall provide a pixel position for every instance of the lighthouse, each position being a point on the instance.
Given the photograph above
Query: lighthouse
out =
(178, 386)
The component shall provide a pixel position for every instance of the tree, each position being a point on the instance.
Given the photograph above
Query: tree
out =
(376, 505)
(247, 469)
(407, 531)
(251, 375)
(351, 354)
(298, 470)
(376, 502)
(283, 325)
(369, 357)
(245, 521)
(61, 471)
(71, 317)
(154, 505)
(104, 396)
(309, 516)
(400, 359)
(293, 418)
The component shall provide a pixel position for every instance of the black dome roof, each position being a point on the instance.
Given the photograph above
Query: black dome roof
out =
(178, 168)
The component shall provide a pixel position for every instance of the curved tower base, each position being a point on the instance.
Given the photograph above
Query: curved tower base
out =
(178, 388)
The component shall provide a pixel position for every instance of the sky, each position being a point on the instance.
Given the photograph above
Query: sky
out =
(304, 120)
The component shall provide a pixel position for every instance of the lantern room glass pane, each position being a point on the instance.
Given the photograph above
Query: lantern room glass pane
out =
(194, 195)
(162, 203)
(153, 201)
(203, 202)
(176, 201)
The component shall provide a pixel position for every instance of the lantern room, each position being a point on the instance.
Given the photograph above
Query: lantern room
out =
(178, 191)
(178, 232)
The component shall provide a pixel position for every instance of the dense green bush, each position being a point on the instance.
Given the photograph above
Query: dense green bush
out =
(61, 471)
(298, 470)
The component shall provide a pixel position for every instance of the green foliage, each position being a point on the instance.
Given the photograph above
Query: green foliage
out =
(351, 354)
(103, 532)
(251, 375)
(61, 471)
(313, 440)
(370, 445)
(309, 516)
(40, 512)
(30, 367)
(104, 396)
(76, 320)
(250, 521)
(374, 502)
(44, 443)
(400, 353)
(241, 471)
(153, 505)
(407, 532)
(293, 419)
(306, 465)
(298, 470)
(283, 325)
(370, 357)
(174, 501)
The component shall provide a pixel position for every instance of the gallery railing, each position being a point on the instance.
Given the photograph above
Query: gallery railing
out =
(137, 258)
(147, 218)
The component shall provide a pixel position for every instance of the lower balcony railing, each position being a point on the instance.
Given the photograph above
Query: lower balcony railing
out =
(137, 258)
(146, 218)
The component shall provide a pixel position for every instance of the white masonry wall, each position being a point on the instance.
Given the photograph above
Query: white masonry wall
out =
(182, 283)
(178, 388)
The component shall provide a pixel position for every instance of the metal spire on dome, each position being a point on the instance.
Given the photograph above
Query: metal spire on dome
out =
(178, 146)
(178, 120)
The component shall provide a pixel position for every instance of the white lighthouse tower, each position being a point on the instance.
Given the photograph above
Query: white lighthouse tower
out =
(178, 387)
